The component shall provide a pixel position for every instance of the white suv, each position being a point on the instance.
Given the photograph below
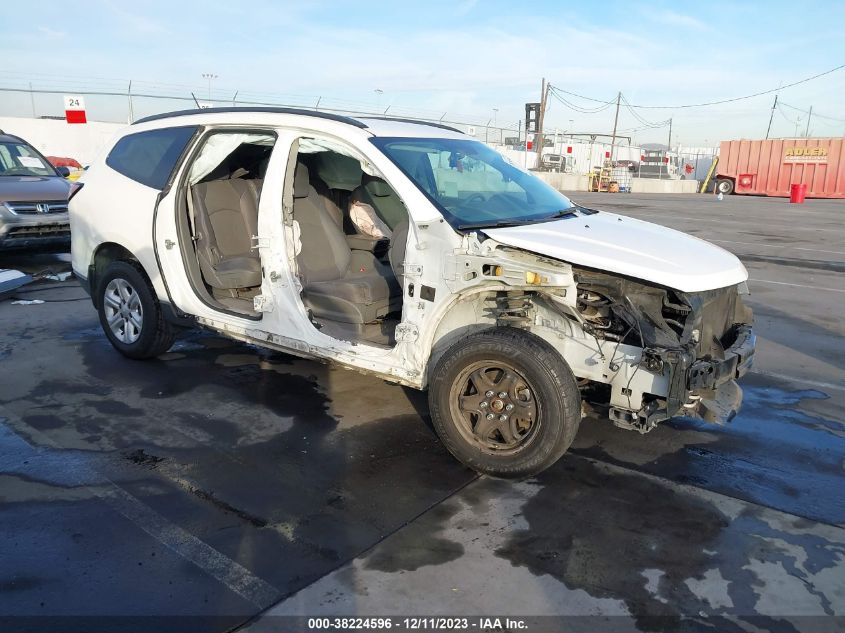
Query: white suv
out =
(413, 252)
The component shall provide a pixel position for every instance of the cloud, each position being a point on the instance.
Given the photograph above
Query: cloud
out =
(139, 23)
(671, 18)
(462, 8)
(51, 34)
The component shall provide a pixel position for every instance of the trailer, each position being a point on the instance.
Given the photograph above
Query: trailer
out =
(769, 167)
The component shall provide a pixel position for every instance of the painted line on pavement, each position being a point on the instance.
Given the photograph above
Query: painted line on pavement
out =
(216, 564)
(812, 383)
(779, 246)
(784, 283)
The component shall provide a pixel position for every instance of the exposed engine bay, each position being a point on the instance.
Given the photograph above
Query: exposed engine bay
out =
(699, 341)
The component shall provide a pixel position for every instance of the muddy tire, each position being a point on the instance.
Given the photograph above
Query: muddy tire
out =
(725, 186)
(130, 313)
(504, 403)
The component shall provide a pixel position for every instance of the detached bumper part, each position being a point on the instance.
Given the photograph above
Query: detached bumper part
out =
(707, 374)
(705, 389)
(711, 390)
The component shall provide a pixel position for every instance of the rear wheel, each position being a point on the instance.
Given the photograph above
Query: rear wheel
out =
(724, 186)
(130, 313)
(504, 403)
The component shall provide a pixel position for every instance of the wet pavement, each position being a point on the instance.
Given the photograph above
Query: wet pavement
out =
(221, 481)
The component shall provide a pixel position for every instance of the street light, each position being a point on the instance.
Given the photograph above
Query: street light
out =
(379, 92)
(210, 77)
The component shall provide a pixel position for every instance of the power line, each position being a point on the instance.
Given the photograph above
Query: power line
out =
(575, 94)
(721, 101)
(784, 115)
(575, 107)
(815, 114)
(645, 122)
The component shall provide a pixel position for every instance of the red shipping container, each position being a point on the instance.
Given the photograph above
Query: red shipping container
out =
(772, 166)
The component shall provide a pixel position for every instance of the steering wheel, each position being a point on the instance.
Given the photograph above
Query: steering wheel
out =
(476, 198)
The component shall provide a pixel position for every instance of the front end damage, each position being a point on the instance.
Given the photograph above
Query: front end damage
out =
(693, 347)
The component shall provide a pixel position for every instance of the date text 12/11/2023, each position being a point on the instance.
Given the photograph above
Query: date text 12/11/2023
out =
(481, 624)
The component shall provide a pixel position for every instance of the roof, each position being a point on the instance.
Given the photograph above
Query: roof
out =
(378, 126)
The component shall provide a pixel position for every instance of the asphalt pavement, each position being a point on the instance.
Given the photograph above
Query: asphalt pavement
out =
(222, 485)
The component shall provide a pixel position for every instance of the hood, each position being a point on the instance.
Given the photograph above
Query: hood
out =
(33, 188)
(623, 245)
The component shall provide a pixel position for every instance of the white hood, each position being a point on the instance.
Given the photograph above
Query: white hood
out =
(623, 245)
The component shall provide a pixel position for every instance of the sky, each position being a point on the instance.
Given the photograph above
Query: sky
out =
(465, 60)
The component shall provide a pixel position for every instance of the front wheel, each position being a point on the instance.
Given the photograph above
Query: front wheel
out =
(504, 403)
(130, 313)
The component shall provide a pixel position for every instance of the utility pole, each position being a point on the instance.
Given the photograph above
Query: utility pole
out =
(210, 77)
(615, 122)
(538, 137)
(772, 116)
(129, 95)
(669, 146)
(32, 99)
(809, 116)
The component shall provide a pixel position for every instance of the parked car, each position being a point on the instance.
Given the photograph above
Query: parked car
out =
(33, 198)
(415, 253)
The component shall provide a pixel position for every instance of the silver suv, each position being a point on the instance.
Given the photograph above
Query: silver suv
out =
(33, 198)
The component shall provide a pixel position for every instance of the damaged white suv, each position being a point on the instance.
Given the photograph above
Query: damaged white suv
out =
(418, 254)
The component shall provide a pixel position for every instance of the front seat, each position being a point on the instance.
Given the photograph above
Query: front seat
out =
(383, 199)
(225, 219)
(338, 283)
(337, 176)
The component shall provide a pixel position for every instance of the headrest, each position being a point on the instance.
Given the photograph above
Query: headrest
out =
(377, 187)
(301, 181)
(338, 171)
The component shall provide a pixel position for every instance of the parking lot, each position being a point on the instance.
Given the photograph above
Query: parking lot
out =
(233, 486)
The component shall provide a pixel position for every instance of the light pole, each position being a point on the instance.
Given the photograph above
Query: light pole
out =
(379, 92)
(495, 112)
(210, 77)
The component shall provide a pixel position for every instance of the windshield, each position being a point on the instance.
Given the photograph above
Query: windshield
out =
(19, 159)
(473, 185)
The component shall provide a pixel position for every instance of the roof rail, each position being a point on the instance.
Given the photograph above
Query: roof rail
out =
(417, 121)
(272, 110)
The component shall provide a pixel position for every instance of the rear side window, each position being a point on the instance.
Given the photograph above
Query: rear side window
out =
(149, 157)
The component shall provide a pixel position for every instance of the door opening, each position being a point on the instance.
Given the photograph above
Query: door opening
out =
(219, 224)
(352, 229)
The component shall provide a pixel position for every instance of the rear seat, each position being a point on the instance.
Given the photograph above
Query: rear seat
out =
(225, 219)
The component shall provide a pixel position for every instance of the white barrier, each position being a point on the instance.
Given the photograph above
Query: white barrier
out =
(655, 185)
(576, 182)
(82, 141)
(564, 182)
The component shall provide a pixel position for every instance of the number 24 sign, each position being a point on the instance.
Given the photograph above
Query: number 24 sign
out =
(74, 103)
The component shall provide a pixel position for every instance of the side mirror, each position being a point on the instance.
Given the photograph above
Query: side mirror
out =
(64, 172)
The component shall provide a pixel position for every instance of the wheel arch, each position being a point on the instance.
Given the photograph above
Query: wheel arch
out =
(103, 255)
(454, 320)
(469, 312)
(466, 313)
